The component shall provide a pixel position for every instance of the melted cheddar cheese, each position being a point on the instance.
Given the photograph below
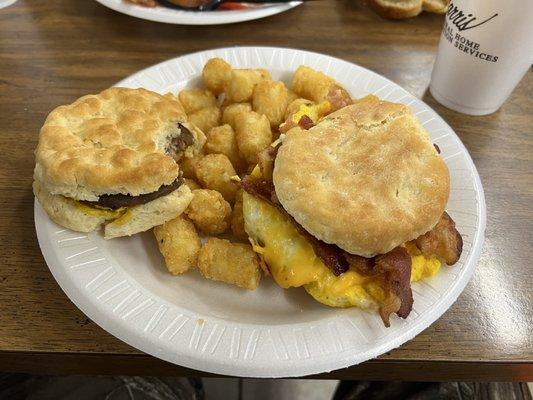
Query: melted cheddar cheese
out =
(293, 263)
(421, 266)
(107, 213)
(124, 218)
(314, 112)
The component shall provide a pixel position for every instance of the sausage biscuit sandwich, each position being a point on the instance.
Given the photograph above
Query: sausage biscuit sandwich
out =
(111, 159)
(352, 209)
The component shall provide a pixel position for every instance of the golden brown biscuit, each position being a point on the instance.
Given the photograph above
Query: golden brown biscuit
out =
(67, 213)
(366, 178)
(109, 143)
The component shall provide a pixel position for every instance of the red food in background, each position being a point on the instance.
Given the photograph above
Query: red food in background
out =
(189, 3)
(144, 3)
(232, 6)
(192, 4)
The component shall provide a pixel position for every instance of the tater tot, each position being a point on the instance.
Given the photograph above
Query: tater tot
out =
(237, 218)
(234, 263)
(191, 183)
(271, 99)
(231, 111)
(311, 84)
(214, 172)
(319, 87)
(253, 134)
(179, 243)
(209, 211)
(206, 118)
(188, 165)
(193, 100)
(216, 75)
(242, 83)
(221, 140)
(292, 96)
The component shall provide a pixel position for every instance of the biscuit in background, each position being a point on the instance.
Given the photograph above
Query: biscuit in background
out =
(402, 9)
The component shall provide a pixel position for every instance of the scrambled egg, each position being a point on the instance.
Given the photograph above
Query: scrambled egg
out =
(314, 112)
(293, 263)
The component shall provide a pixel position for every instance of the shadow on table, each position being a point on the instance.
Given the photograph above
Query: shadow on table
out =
(83, 387)
(359, 390)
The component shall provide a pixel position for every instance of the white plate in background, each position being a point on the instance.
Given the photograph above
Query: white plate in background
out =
(5, 3)
(181, 17)
(123, 286)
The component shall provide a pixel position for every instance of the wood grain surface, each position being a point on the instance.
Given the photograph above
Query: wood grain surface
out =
(52, 52)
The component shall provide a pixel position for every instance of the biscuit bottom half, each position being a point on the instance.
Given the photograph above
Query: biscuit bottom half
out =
(123, 221)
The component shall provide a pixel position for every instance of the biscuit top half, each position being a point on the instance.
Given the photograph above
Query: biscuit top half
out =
(366, 178)
(112, 142)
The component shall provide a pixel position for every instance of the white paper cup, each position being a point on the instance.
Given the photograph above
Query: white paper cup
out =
(485, 48)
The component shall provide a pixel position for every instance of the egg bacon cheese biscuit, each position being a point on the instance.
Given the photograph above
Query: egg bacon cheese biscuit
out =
(352, 209)
(111, 159)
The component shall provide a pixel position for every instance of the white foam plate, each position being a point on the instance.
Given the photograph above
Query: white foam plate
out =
(173, 16)
(123, 286)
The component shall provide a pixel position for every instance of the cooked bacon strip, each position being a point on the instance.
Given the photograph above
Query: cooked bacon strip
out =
(305, 122)
(287, 125)
(363, 265)
(396, 266)
(338, 98)
(259, 187)
(443, 241)
(263, 265)
(331, 255)
(266, 161)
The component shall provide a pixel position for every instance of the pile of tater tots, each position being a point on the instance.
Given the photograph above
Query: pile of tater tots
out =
(241, 112)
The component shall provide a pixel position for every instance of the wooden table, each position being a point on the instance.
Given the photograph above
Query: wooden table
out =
(52, 52)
